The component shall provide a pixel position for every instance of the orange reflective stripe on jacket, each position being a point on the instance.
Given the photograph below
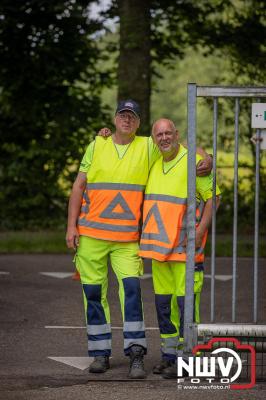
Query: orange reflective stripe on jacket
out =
(164, 229)
(111, 211)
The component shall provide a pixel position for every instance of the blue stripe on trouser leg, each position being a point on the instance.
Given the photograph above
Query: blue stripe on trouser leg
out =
(163, 308)
(99, 331)
(134, 328)
(181, 306)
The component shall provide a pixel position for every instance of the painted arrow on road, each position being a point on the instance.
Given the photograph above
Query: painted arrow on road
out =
(76, 362)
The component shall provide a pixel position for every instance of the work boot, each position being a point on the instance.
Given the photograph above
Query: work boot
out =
(136, 367)
(158, 368)
(100, 364)
(170, 372)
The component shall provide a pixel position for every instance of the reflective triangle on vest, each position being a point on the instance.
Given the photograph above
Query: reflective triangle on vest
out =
(120, 203)
(161, 234)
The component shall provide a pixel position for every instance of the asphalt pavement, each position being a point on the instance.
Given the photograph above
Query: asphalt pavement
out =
(43, 346)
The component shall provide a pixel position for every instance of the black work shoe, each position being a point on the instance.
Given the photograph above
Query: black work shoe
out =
(170, 372)
(100, 364)
(158, 368)
(136, 367)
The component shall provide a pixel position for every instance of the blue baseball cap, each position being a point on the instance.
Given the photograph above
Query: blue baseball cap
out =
(128, 105)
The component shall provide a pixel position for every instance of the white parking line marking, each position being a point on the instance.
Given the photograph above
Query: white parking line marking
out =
(64, 327)
(76, 362)
(59, 275)
(222, 278)
(4, 273)
(149, 328)
(145, 276)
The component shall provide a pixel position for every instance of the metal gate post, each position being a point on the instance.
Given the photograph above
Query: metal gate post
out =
(213, 261)
(189, 327)
(235, 210)
(249, 334)
(256, 228)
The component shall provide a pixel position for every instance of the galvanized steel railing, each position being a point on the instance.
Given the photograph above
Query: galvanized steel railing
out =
(215, 92)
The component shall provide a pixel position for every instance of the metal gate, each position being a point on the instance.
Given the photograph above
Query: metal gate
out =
(247, 332)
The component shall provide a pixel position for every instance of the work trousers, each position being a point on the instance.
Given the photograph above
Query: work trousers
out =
(92, 263)
(169, 280)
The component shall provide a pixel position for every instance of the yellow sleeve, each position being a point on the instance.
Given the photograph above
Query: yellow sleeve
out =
(154, 152)
(204, 187)
(204, 184)
(87, 158)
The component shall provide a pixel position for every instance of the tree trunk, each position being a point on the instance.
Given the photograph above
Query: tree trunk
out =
(134, 68)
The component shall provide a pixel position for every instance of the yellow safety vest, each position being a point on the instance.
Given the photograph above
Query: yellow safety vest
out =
(111, 206)
(164, 213)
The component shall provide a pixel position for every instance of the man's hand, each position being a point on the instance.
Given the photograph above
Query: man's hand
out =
(204, 166)
(198, 240)
(72, 238)
(105, 132)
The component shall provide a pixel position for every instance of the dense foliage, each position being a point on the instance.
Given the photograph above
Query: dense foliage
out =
(236, 27)
(50, 105)
(54, 68)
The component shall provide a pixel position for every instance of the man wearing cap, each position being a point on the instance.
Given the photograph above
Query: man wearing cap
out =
(103, 221)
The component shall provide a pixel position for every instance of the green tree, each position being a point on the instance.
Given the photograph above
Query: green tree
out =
(234, 26)
(50, 105)
(134, 63)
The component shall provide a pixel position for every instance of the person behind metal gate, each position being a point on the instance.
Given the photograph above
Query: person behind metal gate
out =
(103, 220)
(163, 238)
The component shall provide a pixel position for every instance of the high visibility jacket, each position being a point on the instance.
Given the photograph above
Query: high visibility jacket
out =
(164, 213)
(111, 206)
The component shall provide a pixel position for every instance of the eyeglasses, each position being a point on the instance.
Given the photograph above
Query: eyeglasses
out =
(124, 116)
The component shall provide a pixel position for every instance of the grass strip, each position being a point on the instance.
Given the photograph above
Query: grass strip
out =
(53, 242)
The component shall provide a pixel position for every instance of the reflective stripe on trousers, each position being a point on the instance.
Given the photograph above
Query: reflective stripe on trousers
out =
(169, 347)
(99, 331)
(134, 327)
(99, 338)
